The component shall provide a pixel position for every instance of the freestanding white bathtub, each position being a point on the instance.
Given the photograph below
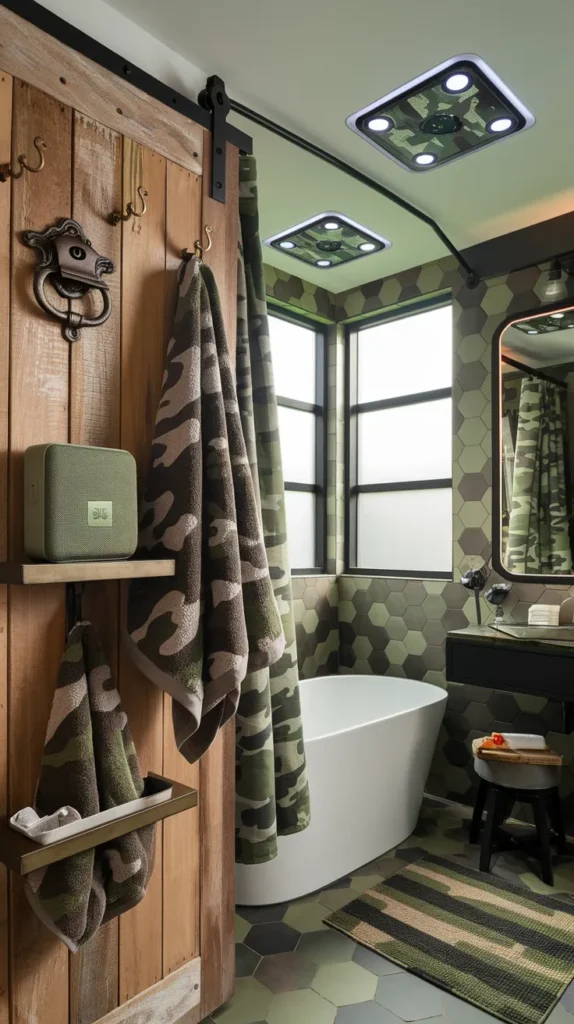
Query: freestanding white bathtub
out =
(369, 743)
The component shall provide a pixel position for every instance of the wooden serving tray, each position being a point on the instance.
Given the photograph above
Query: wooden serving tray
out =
(541, 757)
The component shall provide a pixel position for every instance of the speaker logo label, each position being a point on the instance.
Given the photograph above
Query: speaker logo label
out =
(100, 513)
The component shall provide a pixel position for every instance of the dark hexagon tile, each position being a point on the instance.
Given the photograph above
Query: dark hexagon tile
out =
(455, 595)
(456, 752)
(378, 589)
(379, 637)
(415, 617)
(456, 725)
(414, 592)
(362, 600)
(434, 658)
(472, 541)
(346, 656)
(473, 486)
(286, 972)
(395, 584)
(454, 618)
(414, 666)
(379, 663)
(434, 632)
(267, 939)
(324, 627)
(245, 960)
(347, 633)
(479, 716)
(503, 706)
(263, 915)
(396, 628)
(396, 604)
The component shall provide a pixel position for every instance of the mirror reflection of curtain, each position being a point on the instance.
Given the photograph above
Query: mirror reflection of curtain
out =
(538, 534)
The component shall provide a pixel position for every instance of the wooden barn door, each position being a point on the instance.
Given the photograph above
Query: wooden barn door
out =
(171, 958)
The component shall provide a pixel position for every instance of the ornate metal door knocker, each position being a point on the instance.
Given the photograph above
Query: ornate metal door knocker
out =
(74, 267)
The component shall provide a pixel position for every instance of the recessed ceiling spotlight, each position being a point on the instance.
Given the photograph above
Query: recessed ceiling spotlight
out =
(461, 100)
(459, 82)
(500, 125)
(557, 316)
(532, 332)
(379, 124)
(425, 159)
(328, 240)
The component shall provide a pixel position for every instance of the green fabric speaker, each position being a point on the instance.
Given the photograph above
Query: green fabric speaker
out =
(80, 503)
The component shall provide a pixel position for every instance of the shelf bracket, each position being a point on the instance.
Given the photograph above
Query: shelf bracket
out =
(214, 99)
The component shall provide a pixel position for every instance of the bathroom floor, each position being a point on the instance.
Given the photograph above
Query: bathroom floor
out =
(293, 969)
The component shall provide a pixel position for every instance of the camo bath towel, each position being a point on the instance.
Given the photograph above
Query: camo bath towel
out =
(90, 765)
(196, 635)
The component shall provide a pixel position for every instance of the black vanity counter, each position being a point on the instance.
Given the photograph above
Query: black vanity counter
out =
(482, 656)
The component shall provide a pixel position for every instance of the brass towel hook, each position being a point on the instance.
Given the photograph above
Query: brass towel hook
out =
(198, 247)
(7, 171)
(131, 211)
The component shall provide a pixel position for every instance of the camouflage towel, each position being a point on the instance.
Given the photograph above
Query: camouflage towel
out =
(89, 764)
(538, 530)
(195, 634)
(272, 795)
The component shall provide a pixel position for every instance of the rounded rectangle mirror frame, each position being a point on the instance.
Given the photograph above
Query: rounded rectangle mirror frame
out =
(559, 579)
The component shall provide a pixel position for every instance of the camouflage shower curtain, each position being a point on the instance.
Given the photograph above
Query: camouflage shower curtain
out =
(272, 795)
(538, 532)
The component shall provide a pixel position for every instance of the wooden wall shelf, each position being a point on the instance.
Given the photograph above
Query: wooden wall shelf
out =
(23, 855)
(82, 572)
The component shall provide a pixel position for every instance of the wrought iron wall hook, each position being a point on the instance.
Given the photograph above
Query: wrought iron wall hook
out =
(198, 248)
(7, 171)
(73, 267)
(131, 211)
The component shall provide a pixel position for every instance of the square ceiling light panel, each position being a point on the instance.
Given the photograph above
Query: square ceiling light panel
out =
(561, 321)
(328, 241)
(454, 109)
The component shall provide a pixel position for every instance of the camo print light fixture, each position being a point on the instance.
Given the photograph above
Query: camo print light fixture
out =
(454, 109)
(327, 241)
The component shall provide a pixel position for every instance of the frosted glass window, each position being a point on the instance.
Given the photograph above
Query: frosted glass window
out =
(406, 356)
(293, 350)
(300, 510)
(405, 531)
(297, 431)
(410, 442)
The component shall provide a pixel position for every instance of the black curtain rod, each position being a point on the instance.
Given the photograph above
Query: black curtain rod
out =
(341, 165)
(533, 373)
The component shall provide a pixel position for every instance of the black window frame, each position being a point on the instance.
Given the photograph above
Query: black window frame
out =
(319, 409)
(353, 408)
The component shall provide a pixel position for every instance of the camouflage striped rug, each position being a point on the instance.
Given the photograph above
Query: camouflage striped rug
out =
(489, 942)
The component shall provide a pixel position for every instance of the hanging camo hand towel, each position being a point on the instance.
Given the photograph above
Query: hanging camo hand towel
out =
(89, 765)
(272, 794)
(196, 634)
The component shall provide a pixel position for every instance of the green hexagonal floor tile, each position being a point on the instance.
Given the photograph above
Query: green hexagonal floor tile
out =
(334, 899)
(249, 1004)
(345, 983)
(306, 917)
(326, 947)
(295, 1007)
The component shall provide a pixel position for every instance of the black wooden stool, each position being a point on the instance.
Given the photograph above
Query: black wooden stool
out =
(499, 801)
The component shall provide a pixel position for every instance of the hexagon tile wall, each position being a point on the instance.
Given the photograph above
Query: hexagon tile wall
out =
(398, 627)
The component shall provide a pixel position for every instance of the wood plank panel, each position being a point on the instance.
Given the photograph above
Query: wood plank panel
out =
(6, 85)
(38, 413)
(143, 350)
(217, 767)
(175, 1000)
(29, 53)
(95, 420)
(181, 834)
